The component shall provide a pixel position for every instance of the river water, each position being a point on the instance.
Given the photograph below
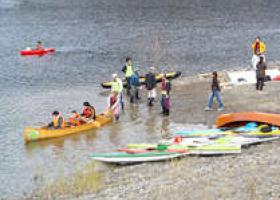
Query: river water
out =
(92, 38)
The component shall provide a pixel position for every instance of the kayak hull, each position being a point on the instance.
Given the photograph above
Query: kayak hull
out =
(35, 52)
(235, 119)
(170, 75)
(35, 134)
(128, 158)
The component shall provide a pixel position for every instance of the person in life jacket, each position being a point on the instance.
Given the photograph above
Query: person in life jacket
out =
(151, 83)
(117, 86)
(114, 105)
(128, 71)
(39, 46)
(58, 121)
(88, 112)
(135, 84)
(165, 95)
(258, 50)
(75, 119)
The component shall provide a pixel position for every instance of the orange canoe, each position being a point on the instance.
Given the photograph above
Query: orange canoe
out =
(34, 134)
(233, 119)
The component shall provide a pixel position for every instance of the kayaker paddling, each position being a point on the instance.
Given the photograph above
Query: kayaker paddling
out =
(58, 121)
(39, 46)
(88, 114)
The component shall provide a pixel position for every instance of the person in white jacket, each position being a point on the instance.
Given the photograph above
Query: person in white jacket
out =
(117, 86)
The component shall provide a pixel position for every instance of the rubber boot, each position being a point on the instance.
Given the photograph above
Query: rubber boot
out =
(166, 112)
(122, 105)
(152, 101)
(131, 99)
(137, 94)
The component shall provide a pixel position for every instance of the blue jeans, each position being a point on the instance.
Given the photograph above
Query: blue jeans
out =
(215, 93)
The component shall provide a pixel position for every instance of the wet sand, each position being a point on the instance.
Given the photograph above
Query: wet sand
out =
(253, 174)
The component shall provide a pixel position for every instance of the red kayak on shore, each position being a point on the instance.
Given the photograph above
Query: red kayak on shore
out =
(35, 52)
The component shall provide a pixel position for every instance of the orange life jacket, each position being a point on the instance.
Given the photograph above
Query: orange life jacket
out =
(75, 120)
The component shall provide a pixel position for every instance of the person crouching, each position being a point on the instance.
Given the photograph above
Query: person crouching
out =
(114, 105)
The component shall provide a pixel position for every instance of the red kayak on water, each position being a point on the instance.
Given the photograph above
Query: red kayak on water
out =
(36, 52)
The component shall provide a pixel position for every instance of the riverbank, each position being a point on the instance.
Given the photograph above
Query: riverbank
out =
(250, 175)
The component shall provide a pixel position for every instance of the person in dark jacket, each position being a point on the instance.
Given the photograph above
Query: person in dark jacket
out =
(215, 87)
(134, 84)
(128, 71)
(165, 95)
(261, 67)
(151, 83)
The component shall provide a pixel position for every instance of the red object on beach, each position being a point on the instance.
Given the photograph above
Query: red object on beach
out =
(177, 150)
(276, 78)
(178, 139)
(127, 150)
(35, 52)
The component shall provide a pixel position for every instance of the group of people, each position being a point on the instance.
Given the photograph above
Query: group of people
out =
(258, 63)
(133, 84)
(88, 115)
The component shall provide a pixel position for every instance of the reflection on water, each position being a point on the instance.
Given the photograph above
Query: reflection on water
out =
(165, 127)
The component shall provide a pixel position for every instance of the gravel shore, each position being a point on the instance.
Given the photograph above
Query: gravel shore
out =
(253, 174)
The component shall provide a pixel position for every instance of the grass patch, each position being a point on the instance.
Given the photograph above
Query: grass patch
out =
(84, 181)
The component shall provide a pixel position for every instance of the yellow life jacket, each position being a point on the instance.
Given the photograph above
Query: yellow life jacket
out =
(116, 87)
(262, 47)
(56, 121)
(129, 71)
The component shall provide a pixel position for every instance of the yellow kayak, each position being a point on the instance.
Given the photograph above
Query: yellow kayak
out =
(34, 134)
(269, 134)
(169, 75)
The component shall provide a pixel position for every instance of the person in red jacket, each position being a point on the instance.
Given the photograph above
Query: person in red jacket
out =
(88, 112)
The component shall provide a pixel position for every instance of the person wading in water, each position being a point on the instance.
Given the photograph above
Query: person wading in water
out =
(151, 83)
(128, 71)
